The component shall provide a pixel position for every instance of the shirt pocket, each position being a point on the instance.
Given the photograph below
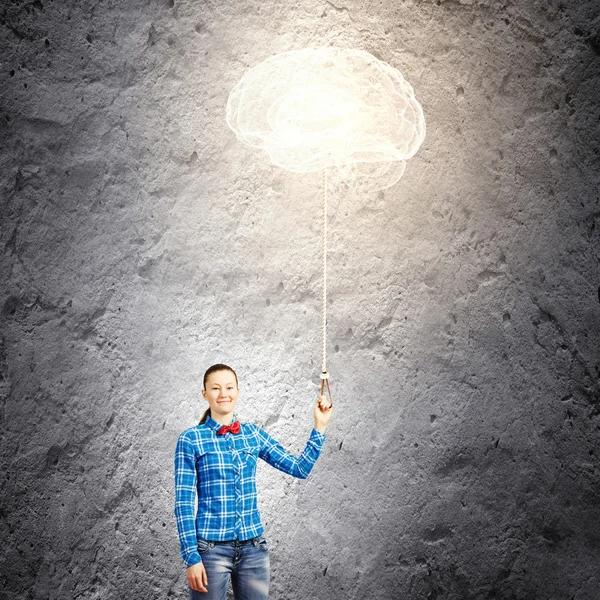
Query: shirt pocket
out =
(213, 466)
(249, 454)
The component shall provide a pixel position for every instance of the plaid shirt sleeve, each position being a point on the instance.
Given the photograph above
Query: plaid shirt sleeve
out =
(185, 496)
(299, 466)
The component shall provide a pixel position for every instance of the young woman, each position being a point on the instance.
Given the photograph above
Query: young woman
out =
(215, 461)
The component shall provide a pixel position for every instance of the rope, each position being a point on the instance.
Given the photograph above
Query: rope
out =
(324, 374)
(324, 284)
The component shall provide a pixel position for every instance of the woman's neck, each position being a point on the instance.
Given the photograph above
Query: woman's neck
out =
(222, 419)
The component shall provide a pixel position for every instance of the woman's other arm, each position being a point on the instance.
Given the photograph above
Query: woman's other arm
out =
(298, 466)
(186, 480)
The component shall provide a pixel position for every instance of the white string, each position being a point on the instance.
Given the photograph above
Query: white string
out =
(324, 304)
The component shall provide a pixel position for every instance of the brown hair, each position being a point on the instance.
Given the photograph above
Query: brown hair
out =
(209, 371)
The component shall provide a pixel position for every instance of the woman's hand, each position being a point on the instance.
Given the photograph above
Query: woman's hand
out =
(196, 576)
(323, 410)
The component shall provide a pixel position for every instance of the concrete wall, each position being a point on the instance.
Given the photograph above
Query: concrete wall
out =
(141, 242)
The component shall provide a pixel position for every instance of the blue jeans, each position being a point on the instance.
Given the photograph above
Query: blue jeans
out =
(246, 562)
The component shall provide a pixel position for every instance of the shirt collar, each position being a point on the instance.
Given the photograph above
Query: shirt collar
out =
(210, 422)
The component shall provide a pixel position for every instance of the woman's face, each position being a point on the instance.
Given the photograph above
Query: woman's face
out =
(221, 392)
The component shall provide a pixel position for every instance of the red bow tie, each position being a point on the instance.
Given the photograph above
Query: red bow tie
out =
(233, 428)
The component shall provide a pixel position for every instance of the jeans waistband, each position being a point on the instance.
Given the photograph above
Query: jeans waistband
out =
(239, 542)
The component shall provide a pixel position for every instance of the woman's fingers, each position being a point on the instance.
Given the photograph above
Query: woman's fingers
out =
(196, 584)
(203, 580)
(324, 403)
(200, 585)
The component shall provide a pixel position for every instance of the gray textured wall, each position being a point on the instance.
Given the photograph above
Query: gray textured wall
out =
(141, 242)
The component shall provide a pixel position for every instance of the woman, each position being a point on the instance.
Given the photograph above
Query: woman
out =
(216, 460)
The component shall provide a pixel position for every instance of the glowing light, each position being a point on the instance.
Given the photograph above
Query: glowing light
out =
(329, 107)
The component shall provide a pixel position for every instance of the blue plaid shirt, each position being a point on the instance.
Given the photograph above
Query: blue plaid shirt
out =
(221, 471)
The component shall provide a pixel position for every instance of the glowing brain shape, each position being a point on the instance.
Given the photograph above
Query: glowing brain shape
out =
(329, 107)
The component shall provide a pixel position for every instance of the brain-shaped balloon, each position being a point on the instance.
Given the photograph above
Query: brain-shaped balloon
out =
(321, 107)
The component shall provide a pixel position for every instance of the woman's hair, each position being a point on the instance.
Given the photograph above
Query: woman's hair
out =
(214, 369)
